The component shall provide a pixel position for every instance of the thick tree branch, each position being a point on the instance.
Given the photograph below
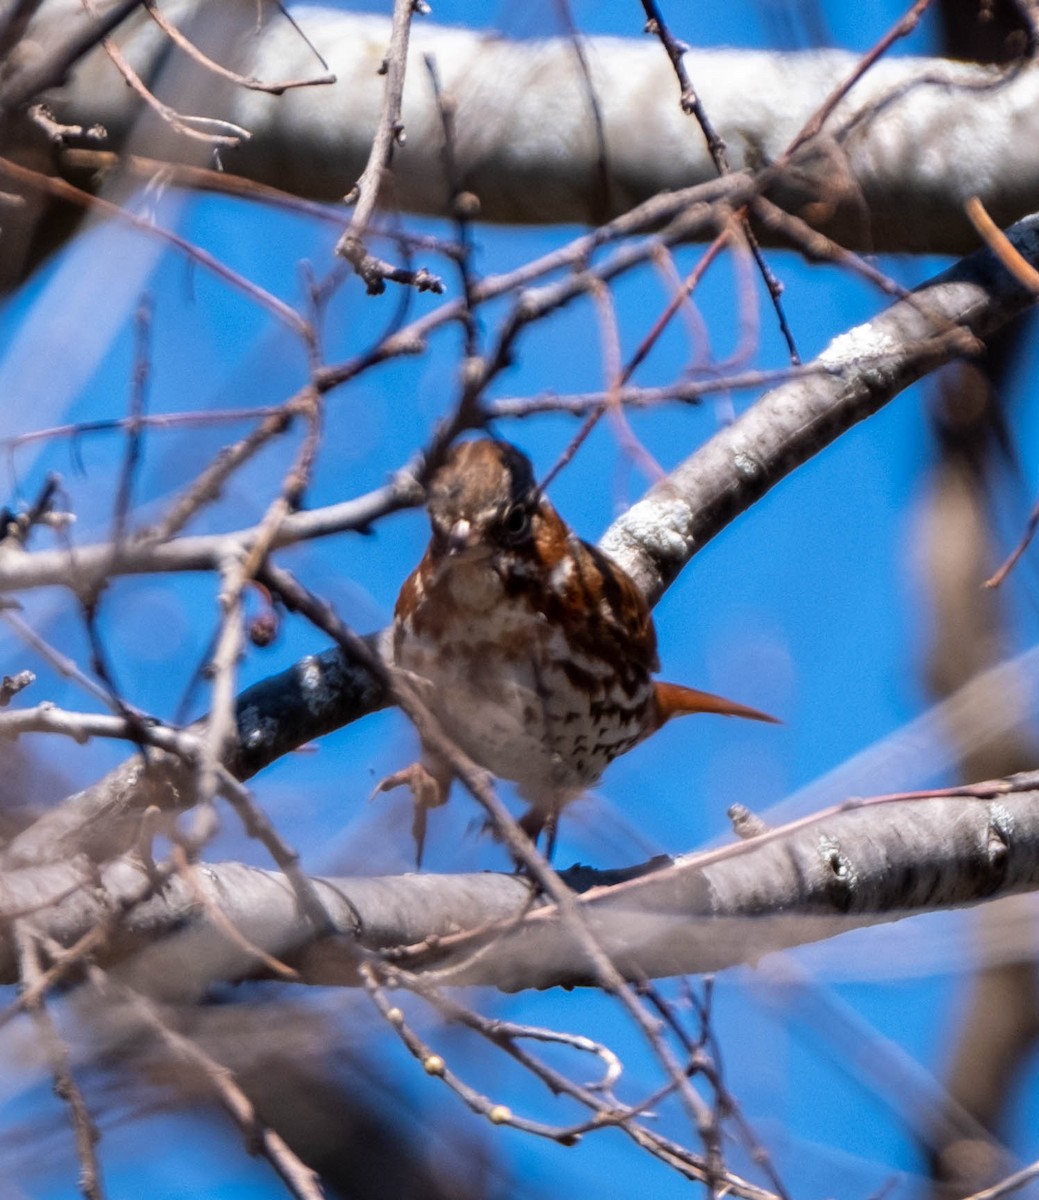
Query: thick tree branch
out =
(938, 322)
(862, 864)
(531, 154)
(315, 696)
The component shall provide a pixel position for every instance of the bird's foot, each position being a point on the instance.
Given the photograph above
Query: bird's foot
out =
(428, 790)
(426, 787)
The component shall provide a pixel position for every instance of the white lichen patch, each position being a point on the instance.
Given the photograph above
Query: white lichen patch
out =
(656, 525)
(312, 682)
(745, 464)
(862, 342)
(256, 730)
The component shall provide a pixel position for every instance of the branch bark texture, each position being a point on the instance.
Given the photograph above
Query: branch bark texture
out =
(890, 169)
(849, 868)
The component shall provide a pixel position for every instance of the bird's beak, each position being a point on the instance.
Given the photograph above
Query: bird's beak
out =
(460, 537)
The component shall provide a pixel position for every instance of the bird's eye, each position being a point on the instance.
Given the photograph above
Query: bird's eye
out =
(515, 522)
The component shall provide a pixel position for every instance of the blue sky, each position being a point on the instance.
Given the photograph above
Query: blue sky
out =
(808, 606)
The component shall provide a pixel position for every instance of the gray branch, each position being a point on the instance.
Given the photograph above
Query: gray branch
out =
(845, 869)
(935, 132)
(869, 366)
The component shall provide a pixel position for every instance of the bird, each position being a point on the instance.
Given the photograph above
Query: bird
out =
(535, 650)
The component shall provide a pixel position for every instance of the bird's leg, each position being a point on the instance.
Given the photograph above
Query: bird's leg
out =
(551, 829)
(532, 822)
(429, 783)
(537, 819)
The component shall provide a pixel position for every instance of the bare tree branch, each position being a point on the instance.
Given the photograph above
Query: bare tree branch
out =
(940, 321)
(861, 864)
(528, 163)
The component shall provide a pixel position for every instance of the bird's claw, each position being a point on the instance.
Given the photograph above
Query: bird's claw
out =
(426, 788)
(427, 791)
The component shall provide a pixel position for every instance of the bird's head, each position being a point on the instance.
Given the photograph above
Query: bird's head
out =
(483, 500)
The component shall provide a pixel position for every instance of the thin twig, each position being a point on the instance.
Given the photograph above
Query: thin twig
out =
(245, 81)
(209, 483)
(478, 783)
(53, 186)
(159, 421)
(389, 133)
(616, 375)
(221, 132)
(54, 658)
(81, 727)
(903, 27)
(1007, 1186)
(1001, 246)
(258, 825)
(611, 397)
(462, 205)
(301, 1181)
(691, 103)
(225, 183)
(1010, 562)
(597, 1097)
(187, 871)
(434, 1064)
(138, 406)
(689, 391)
(84, 1130)
(96, 562)
(602, 199)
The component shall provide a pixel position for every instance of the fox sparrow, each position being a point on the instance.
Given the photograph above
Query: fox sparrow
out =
(534, 650)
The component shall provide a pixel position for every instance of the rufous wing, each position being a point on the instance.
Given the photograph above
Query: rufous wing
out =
(673, 700)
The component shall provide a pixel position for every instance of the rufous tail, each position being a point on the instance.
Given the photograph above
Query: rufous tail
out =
(673, 700)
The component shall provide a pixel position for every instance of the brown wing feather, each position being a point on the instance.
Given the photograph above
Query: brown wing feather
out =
(673, 700)
(620, 617)
(410, 605)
